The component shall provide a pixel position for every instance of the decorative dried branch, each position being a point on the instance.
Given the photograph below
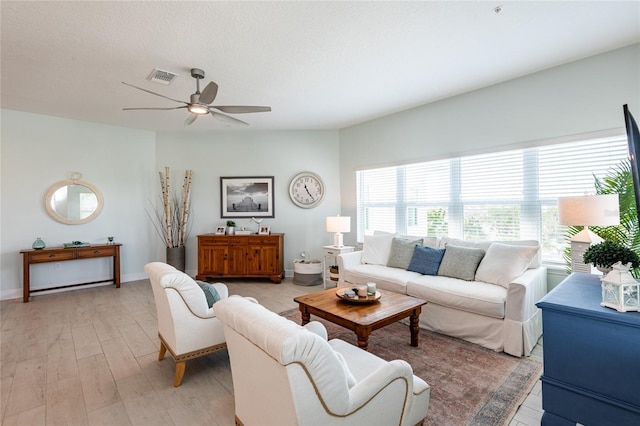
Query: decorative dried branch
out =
(171, 223)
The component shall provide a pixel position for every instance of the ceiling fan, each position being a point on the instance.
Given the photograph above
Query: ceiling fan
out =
(200, 103)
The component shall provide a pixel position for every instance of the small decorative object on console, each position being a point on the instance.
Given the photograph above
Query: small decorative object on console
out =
(73, 244)
(620, 290)
(38, 244)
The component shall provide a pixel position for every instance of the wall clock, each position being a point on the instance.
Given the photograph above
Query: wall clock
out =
(307, 190)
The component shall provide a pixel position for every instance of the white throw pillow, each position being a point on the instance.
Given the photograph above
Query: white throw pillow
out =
(504, 262)
(376, 249)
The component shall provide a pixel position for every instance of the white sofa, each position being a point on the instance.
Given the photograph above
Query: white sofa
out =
(285, 374)
(493, 307)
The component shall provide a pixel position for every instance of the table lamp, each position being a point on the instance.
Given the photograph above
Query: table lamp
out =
(338, 224)
(587, 210)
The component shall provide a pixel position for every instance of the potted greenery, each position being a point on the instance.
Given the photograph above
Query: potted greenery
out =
(605, 254)
(231, 227)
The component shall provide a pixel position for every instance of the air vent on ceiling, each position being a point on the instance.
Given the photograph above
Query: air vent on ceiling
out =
(161, 76)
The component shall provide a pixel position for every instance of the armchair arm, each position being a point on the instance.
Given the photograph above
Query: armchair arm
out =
(222, 290)
(396, 374)
(316, 327)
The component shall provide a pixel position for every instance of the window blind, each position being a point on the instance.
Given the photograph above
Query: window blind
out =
(506, 195)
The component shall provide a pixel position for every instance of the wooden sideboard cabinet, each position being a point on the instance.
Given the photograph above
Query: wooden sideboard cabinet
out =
(591, 357)
(241, 256)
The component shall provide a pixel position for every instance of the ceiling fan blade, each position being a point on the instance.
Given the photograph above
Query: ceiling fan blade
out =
(190, 119)
(166, 109)
(238, 109)
(154, 93)
(209, 93)
(226, 118)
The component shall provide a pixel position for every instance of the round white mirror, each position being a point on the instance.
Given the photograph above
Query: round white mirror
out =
(73, 202)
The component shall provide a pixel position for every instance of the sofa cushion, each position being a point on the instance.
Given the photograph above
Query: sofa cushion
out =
(460, 262)
(386, 278)
(426, 260)
(471, 296)
(376, 249)
(504, 262)
(536, 262)
(402, 252)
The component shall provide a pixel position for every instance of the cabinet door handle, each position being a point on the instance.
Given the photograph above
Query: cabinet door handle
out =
(52, 255)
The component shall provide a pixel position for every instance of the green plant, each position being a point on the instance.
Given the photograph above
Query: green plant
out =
(607, 253)
(231, 223)
(617, 181)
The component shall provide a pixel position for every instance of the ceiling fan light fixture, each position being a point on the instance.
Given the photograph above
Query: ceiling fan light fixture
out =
(198, 109)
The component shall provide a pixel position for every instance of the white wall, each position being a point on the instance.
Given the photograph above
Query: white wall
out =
(281, 154)
(580, 97)
(38, 151)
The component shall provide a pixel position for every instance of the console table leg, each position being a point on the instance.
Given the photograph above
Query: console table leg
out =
(25, 280)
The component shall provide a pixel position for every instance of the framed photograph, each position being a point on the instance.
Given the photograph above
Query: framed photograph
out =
(220, 230)
(264, 230)
(246, 197)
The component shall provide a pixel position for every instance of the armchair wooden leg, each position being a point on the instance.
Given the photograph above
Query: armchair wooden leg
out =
(163, 351)
(179, 373)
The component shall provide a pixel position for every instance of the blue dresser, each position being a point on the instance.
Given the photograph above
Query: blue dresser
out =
(591, 357)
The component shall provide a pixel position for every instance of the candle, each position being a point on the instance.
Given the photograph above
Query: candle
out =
(362, 291)
(371, 289)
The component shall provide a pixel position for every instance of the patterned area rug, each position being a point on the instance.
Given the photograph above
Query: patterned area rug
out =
(470, 385)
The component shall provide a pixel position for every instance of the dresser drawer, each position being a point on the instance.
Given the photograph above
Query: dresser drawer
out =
(263, 241)
(213, 241)
(50, 256)
(88, 252)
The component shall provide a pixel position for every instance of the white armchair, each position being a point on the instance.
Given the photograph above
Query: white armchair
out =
(187, 327)
(285, 374)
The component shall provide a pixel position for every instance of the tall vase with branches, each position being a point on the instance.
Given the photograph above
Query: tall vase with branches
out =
(172, 221)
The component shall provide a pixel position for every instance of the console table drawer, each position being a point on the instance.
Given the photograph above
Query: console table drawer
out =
(95, 252)
(50, 256)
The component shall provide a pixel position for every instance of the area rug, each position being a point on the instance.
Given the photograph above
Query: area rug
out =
(470, 385)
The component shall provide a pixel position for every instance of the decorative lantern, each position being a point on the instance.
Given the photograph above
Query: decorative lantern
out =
(620, 290)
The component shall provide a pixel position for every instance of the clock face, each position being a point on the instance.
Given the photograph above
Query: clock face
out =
(306, 190)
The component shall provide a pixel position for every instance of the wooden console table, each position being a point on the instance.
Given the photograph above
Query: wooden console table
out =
(591, 357)
(61, 254)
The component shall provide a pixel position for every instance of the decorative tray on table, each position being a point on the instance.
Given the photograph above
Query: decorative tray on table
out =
(357, 299)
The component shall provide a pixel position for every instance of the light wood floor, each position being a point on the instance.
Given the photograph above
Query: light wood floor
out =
(89, 357)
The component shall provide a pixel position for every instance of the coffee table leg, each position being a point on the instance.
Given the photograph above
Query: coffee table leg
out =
(414, 320)
(306, 316)
(363, 334)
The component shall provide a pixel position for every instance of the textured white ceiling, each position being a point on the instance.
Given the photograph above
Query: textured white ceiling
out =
(319, 65)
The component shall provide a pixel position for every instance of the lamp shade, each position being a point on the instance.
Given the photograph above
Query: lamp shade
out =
(589, 210)
(338, 224)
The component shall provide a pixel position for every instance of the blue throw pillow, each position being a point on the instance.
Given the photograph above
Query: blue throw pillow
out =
(210, 292)
(426, 260)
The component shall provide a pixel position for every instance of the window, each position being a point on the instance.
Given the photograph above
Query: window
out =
(508, 195)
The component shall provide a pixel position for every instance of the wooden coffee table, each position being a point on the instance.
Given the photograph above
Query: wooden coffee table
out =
(360, 317)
